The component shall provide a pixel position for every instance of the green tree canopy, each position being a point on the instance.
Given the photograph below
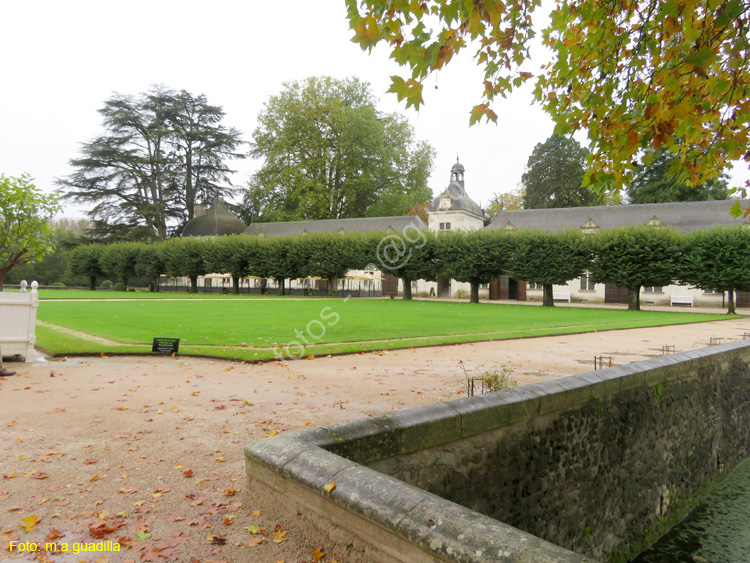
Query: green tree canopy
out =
(718, 259)
(26, 232)
(635, 75)
(653, 183)
(163, 152)
(328, 153)
(554, 175)
(84, 261)
(549, 258)
(634, 257)
(409, 255)
(475, 257)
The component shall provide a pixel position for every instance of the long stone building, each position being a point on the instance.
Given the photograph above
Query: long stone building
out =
(453, 209)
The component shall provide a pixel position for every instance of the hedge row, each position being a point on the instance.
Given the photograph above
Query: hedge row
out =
(715, 259)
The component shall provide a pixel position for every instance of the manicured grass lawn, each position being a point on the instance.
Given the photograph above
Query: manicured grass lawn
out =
(250, 329)
(107, 294)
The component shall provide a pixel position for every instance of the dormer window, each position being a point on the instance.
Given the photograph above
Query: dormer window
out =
(589, 226)
(509, 226)
(654, 222)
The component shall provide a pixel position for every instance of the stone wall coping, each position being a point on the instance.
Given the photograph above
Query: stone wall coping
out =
(336, 453)
(443, 529)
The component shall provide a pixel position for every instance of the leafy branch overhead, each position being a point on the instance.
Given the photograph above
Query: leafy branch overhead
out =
(636, 75)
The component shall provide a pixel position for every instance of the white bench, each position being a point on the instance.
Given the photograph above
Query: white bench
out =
(561, 297)
(18, 321)
(682, 300)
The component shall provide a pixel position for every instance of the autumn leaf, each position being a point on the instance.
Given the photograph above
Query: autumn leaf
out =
(141, 536)
(330, 486)
(29, 522)
(318, 554)
(255, 542)
(257, 513)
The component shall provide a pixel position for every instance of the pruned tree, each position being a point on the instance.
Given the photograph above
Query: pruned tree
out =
(119, 260)
(549, 258)
(85, 261)
(718, 259)
(409, 255)
(634, 257)
(475, 257)
(150, 263)
(328, 153)
(330, 256)
(26, 231)
(228, 255)
(187, 257)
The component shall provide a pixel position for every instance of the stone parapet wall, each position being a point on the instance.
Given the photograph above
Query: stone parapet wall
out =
(599, 463)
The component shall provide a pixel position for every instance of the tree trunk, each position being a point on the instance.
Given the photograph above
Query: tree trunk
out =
(193, 284)
(548, 299)
(281, 286)
(235, 284)
(2, 281)
(92, 283)
(156, 284)
(634, 298)
(730, 304)
(474, 292)
(406, 282)
(332, 283)
(263, 286)
(124, 283)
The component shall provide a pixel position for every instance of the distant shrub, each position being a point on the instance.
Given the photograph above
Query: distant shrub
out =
(460, 294)
(106, 284)
(58, 284)
(119, 287)
(131, 289)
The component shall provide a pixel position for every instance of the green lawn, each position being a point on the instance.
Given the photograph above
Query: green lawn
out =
(107, 294)
(251, 329)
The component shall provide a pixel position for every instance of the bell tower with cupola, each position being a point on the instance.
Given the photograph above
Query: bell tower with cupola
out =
(454, 209)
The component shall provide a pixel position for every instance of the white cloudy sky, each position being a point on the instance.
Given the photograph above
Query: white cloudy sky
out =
(61, 60)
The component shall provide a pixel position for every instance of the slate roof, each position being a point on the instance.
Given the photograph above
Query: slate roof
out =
(217, 220)
(684, 216)
(364, 225)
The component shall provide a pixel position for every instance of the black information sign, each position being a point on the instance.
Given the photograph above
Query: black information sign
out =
(166, 345)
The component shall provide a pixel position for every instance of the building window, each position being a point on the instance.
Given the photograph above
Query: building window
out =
(587, 283)
(445, 226)
(653, 289)
(534, 285)
(503, 283)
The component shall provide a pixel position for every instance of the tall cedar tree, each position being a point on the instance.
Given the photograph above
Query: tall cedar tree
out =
(162, 152)
(328, 154)
(26, 231)
(718, 259)
(634, 257)
(554, 175)
(653, 183)
(549, 258)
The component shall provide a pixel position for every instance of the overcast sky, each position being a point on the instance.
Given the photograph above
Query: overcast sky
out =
(61, 60)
